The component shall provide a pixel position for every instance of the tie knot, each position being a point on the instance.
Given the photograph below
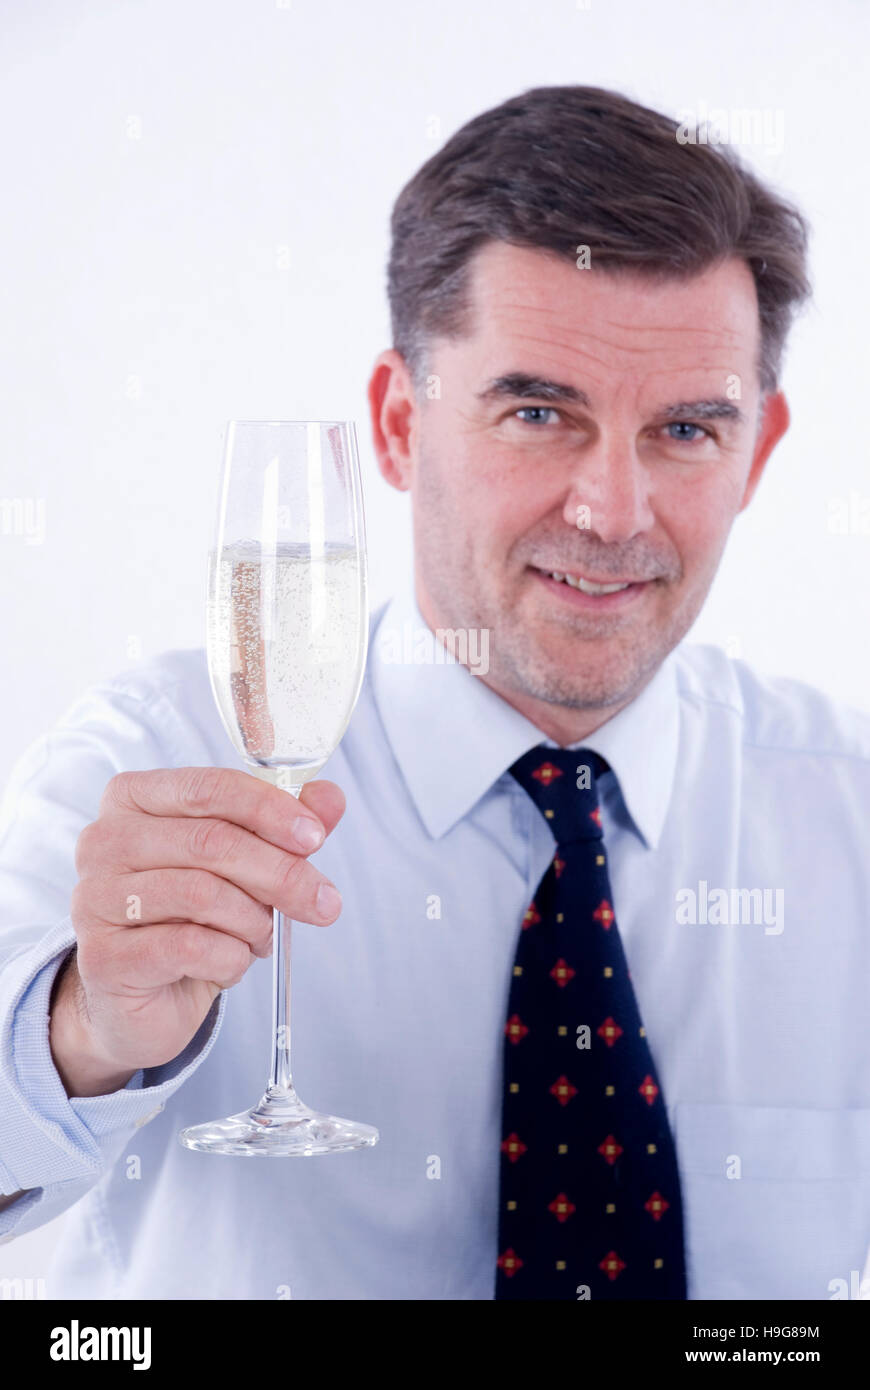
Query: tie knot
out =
(562, 784)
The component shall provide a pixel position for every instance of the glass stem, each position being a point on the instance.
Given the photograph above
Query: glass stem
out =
(280, 1077)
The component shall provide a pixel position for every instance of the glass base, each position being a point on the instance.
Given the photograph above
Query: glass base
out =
(279, 1127)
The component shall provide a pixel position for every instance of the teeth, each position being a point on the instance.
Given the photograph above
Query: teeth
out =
(586, 586)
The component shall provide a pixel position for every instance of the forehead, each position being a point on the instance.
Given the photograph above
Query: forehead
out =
(541, 304)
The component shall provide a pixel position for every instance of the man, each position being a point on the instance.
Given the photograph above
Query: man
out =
(601, 969)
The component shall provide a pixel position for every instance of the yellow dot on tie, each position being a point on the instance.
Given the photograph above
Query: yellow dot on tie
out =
(560, 916)
(608, 972)
(642, 1032)
(651, 1148)
(610, 1090)
(610, 1208)
(658, 1264)
(511, 1206)
(562, 1149)
(515, 1086)
(518, 970)
(562, 1031)
(549, 815)
(560, 1264)
(599, 859)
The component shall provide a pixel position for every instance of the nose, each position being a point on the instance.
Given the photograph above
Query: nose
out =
(609, 491)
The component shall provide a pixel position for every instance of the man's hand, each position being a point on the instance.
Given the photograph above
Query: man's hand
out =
(178, 876)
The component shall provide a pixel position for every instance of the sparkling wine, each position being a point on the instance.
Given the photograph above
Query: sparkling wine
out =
(286, 646)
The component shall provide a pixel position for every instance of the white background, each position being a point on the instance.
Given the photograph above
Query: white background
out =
(194, 227)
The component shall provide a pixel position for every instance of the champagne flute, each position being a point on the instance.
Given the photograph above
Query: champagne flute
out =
(287, 640)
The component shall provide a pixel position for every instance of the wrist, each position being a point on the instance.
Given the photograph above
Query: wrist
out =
(82, 1069)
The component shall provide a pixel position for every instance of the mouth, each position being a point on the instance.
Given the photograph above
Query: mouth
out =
(591, 594)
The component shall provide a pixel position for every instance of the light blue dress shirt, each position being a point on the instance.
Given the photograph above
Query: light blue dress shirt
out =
(755, 1003)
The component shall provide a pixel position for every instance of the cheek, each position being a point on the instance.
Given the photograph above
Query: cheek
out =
(698, 520)
(490, 494)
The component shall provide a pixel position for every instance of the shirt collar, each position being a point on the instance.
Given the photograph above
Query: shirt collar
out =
(453, 737)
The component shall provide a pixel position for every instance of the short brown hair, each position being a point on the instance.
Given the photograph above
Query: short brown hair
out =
(561, 167)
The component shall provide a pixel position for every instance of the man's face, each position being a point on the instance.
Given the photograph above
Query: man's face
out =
(591, 425)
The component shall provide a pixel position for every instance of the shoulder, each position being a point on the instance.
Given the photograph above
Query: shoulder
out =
(170, 683)
(776, 713)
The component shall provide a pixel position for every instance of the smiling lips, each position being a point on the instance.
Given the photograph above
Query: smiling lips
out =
(590, 586)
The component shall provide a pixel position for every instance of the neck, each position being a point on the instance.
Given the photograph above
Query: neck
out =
(561, 723)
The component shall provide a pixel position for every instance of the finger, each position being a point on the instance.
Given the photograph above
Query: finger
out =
(226, 794)
(326, 800)
(268, 874)
(156, 956)
(172, 895)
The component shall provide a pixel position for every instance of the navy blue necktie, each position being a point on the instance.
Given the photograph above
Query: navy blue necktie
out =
(589, 1194)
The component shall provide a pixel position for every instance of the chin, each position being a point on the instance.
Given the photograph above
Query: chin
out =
(544, 676)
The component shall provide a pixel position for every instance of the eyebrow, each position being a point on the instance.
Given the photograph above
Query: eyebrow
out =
(520, 386)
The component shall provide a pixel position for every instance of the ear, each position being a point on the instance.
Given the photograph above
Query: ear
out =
(394, 418)
(774, 423)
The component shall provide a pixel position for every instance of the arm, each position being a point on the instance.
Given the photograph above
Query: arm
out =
(90, 1038)
(60, 1127)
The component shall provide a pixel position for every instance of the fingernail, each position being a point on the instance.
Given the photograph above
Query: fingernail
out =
(306, 834)
(328, 900)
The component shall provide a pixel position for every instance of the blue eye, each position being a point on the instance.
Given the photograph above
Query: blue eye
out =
(538, 411)
(685, 425)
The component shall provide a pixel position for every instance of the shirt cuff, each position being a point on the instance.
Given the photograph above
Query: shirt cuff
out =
(48, 1137)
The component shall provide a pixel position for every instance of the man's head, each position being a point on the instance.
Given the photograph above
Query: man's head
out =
(588, 320)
